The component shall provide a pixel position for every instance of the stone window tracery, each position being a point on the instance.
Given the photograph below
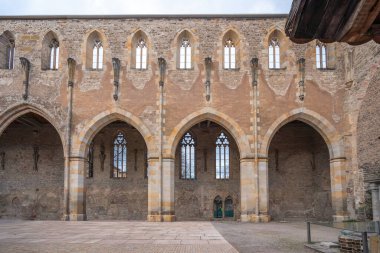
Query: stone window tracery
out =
(141, 54)
(222, 157)
(229, 54)
(321, 55)
(188, 157)
(119, 156)
(54, 54)
(97, 55)
(185, 54)
(274, 54)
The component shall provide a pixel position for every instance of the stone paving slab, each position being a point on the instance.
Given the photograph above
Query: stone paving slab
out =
(111, 236)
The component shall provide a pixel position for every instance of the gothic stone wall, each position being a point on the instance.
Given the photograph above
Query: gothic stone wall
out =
(24, 192)
(184, 90)
(299, 174)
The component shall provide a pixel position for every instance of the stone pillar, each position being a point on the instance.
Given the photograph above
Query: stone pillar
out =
(263, 190)
(375, 192)
(248, 189)
(154, 189)
(338, 188)
(77, 194)
(66, 200)
(168, 212)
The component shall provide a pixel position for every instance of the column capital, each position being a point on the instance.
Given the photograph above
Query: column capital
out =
(373, 186)
(338, 159)
(247, 159)
(77, 158)
(153, 158)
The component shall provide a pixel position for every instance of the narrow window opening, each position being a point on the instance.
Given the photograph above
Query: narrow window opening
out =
(185, 54)
(97, 55)
(120, 156)
(321, 56)
(141, 55)
(10, 54)
(274, 54)
(222, 157)
(90, 157)
(229, 54)
(54, 54)
(188, 157)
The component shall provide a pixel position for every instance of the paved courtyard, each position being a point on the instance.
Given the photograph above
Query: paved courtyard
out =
(126, 236)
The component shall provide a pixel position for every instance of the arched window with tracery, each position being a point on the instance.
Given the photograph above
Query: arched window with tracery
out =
(229, 54)
(141, 54)
(274, 54)
(97, 55)
(222, 157)
(7, 50)
(54, 54)
(185, 54)
(119, 156)
(321, 55)
(188, 157)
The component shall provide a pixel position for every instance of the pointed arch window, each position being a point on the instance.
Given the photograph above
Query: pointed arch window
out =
(54, 54)
(97, 55)
(185, 54)
(141, 54)
(119, 156)
(229, 54)
(188, 157)
(7, 50)
(274, 54)
(321, 56)
(222, 157)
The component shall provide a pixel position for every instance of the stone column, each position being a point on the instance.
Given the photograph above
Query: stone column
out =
(77, 194)
(375, 192)
(248, 186)
(154, 189)
(263, 189)
(168, 212)
(338, 188)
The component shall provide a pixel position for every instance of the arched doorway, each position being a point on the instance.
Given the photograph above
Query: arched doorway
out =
(228, 207)
(206, 165)
(31, 169)
(116, 174)
(299, 174)
(218, 207)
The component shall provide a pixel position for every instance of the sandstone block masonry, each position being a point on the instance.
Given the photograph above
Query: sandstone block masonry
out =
(324, 141)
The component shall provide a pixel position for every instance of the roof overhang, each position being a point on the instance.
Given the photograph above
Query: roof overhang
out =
(352, 21)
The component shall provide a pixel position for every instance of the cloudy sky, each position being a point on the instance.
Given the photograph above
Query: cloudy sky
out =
(72, 7)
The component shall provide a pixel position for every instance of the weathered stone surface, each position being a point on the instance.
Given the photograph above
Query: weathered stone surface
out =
(333, 106)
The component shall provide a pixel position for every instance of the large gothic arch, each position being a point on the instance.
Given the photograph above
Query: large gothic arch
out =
(315, 120)
(12, 113)
(83, 139)
(213, 115)
(335, 146)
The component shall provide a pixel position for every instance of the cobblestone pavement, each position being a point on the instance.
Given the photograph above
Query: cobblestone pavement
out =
(111, 236)
(127, 236)
(273, 237)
